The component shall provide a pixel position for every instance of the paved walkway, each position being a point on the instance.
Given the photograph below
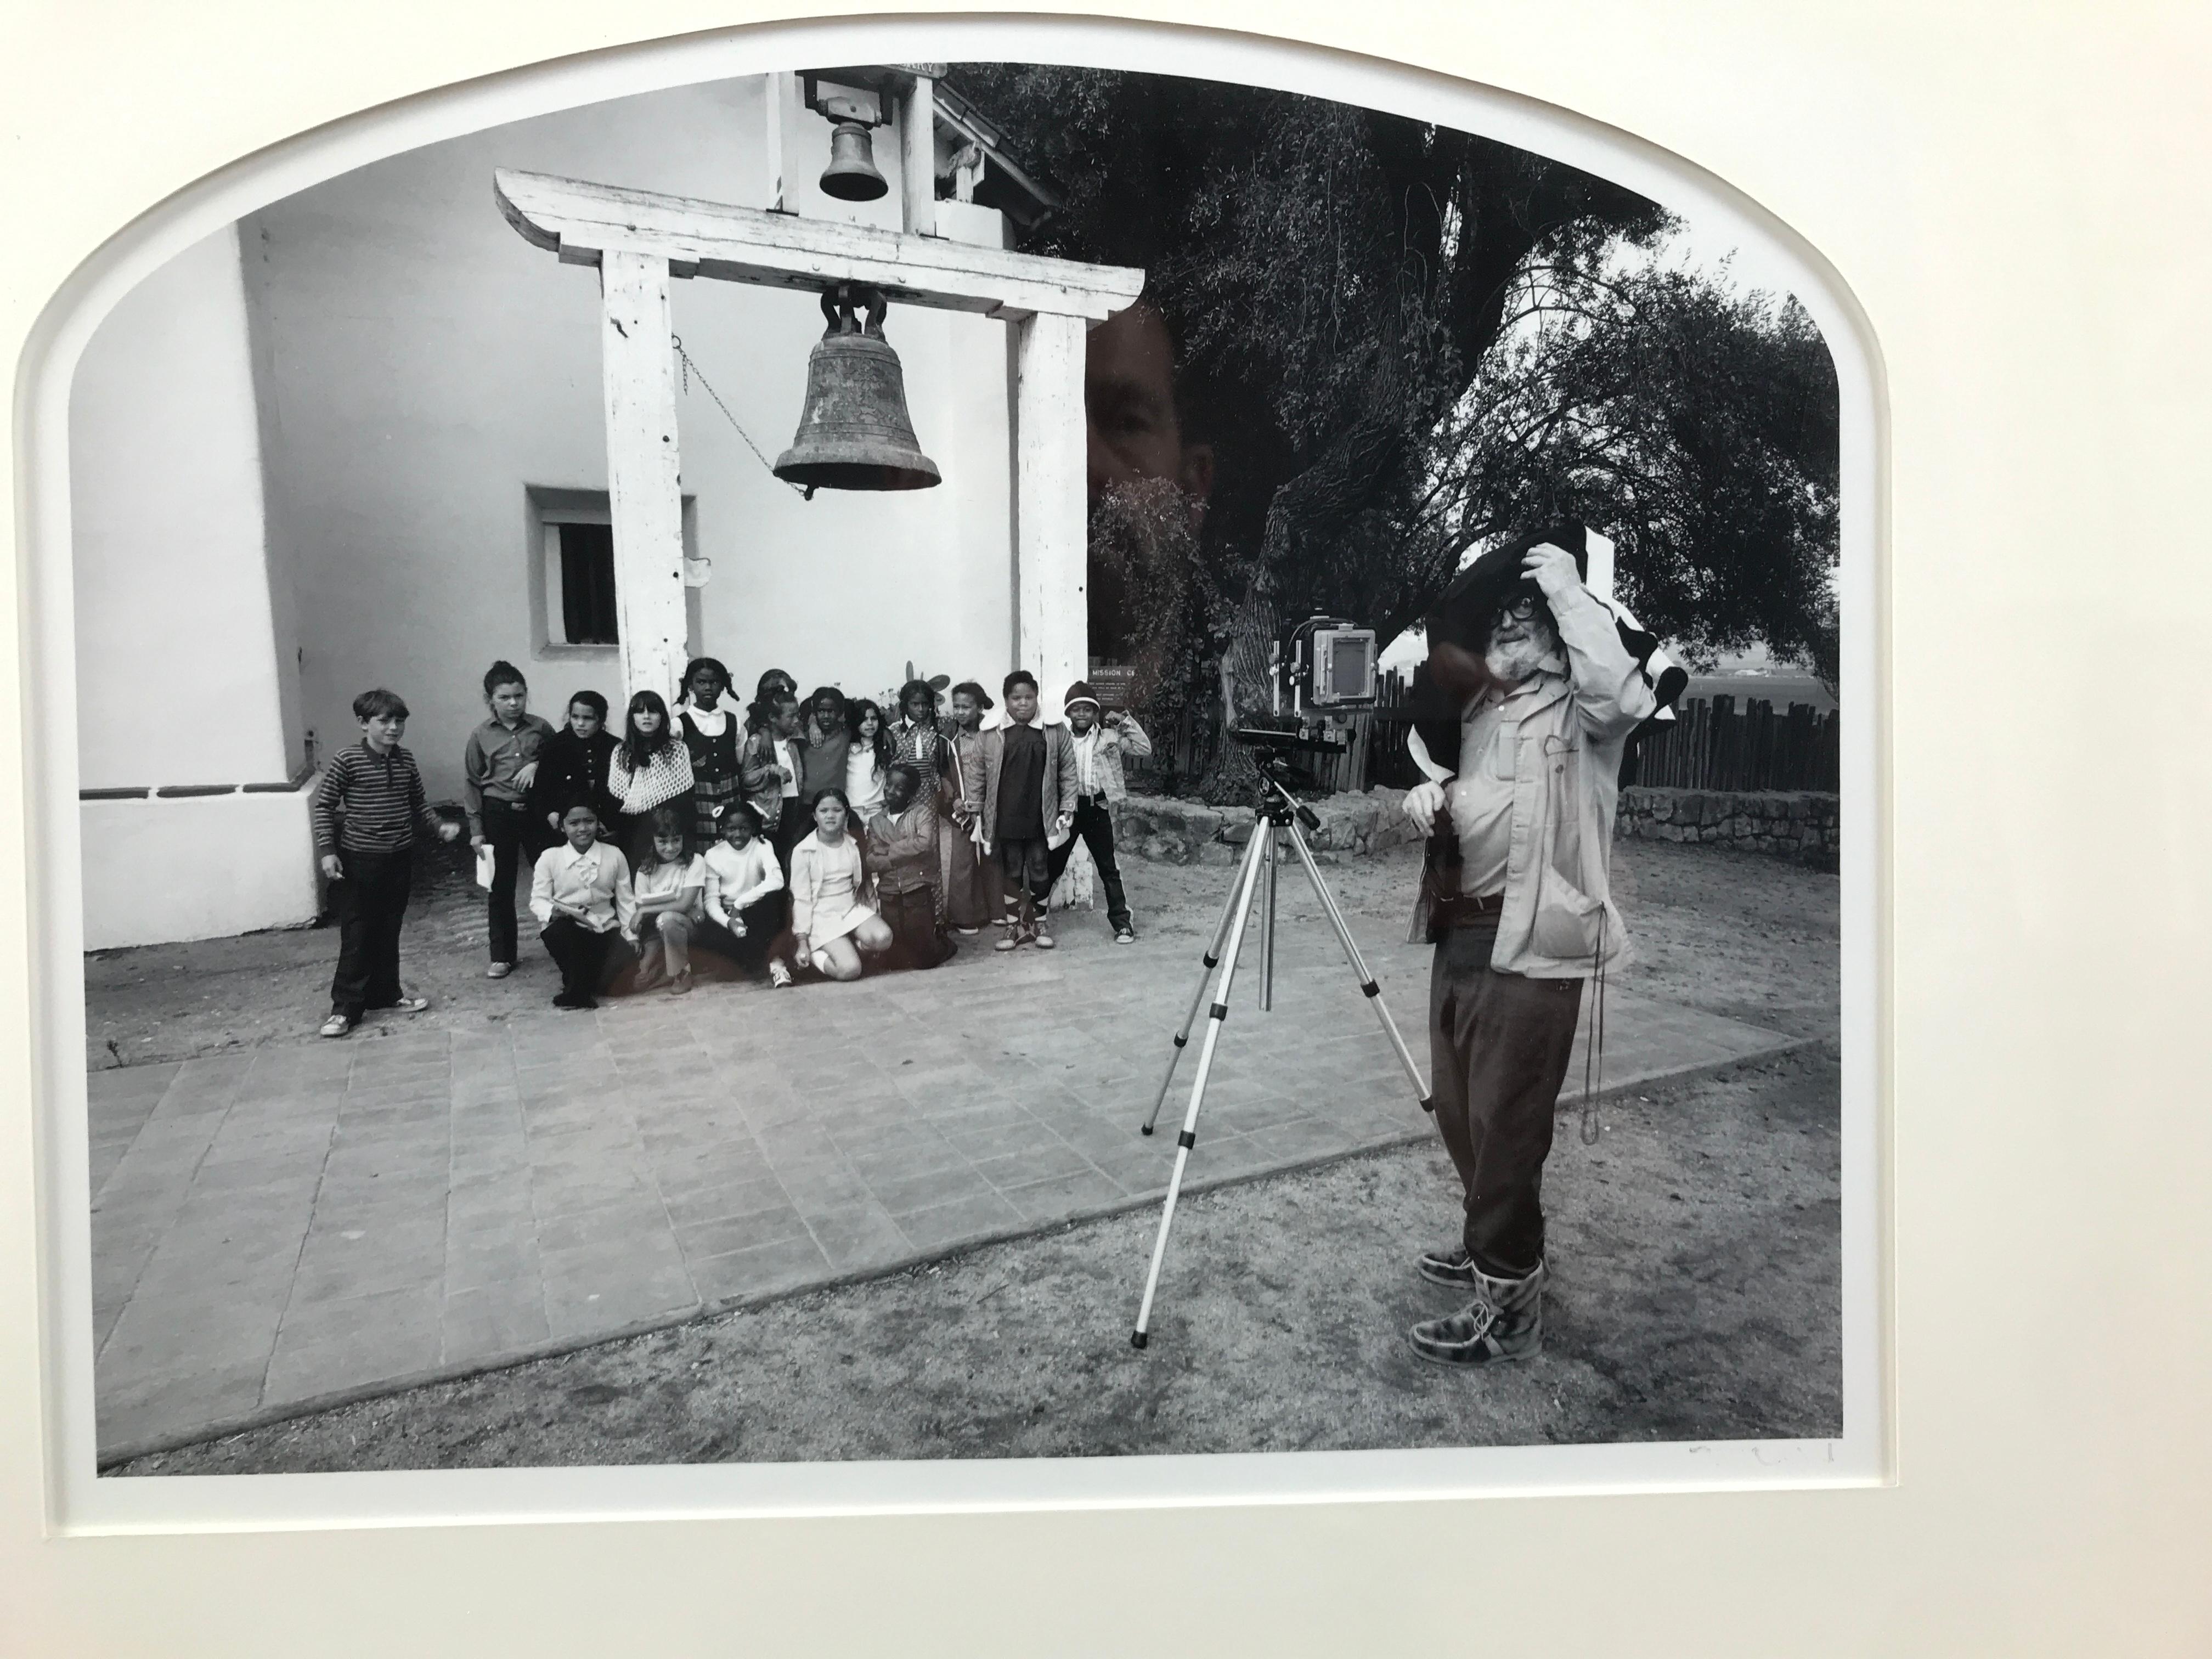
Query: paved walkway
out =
(299, 1221)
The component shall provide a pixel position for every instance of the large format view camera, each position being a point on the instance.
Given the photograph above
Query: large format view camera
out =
(1324, 665)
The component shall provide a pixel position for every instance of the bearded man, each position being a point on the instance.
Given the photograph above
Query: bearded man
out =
(1531, 691)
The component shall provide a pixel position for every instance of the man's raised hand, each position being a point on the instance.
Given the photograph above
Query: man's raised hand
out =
(1552, 569)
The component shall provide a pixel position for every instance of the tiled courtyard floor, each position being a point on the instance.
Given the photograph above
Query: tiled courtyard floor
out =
(299, 1221)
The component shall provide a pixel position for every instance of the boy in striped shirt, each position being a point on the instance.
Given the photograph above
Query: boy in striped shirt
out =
(367, 811)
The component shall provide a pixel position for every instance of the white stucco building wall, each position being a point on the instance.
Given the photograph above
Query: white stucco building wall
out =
(189, 756)
(303, 461)
(429, 369)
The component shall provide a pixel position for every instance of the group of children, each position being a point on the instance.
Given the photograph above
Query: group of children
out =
(819, 835)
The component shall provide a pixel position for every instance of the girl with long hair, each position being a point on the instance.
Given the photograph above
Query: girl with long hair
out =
(650, 768)
(868, 760)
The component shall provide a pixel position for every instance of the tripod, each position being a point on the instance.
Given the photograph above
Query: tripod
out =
(1274, 812)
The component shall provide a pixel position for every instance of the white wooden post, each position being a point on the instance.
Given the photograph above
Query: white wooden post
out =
(775, 96)
(917, 128)
(1051, 549)
(638, 371)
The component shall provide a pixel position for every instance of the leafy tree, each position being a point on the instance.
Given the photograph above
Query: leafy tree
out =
(1372, 313)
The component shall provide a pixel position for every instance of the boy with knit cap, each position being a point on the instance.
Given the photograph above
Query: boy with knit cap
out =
(1100, 742)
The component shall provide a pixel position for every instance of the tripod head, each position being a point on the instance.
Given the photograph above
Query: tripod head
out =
(1272, 748)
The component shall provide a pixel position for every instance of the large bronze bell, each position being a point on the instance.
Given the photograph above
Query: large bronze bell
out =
(854, 432)
(851, 175)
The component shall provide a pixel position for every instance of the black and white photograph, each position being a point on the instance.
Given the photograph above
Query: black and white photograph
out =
(942, 762)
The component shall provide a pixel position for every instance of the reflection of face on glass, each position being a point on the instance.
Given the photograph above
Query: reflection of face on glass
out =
(1130, 405)
(581, 826)
(738, 827)
(1021, 704)
(583, 719)
(829, 817)
(1149, 484)
(899, 790)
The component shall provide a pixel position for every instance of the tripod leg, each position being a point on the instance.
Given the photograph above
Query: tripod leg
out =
(1198, 997)
(1267, 917)
(1368, 987)
(1188, 1137)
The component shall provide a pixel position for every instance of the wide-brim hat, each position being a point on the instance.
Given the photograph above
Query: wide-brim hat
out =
(1479, 592)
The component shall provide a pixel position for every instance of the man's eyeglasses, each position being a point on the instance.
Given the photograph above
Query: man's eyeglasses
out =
(1519, 606)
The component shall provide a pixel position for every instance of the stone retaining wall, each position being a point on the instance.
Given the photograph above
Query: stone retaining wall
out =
(1168, 830)
(1798, 825)
(1788, 823)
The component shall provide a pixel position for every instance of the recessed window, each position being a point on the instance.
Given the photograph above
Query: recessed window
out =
(585, 579)
(572, 582)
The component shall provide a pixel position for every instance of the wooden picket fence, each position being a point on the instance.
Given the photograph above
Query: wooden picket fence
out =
(1711, 743)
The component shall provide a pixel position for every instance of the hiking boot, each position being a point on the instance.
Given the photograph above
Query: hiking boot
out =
(1453, 1266)
(1505, 1322)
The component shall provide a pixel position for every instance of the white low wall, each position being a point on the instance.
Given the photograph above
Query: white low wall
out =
(159, 869)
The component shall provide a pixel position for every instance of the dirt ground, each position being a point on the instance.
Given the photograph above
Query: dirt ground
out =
(1695, 1295)
(1694, 1248)
(1732, 933)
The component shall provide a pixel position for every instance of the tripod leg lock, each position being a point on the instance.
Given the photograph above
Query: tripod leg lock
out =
(1219, 1010)
(1429, 1105)
(1186, 1140)
(1369, 988)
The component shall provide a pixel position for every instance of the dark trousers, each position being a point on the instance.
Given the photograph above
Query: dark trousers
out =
(1499, 1050)
(587, 960)
(1025, 863)
(369, 901)
(516, 836)
(791, 826)
(916, 939)
(1094, 826)
(748, 953)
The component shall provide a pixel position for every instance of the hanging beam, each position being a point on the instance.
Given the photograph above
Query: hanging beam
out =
(584, 222)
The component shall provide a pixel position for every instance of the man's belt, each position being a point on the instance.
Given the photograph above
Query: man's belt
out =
(1465, 909)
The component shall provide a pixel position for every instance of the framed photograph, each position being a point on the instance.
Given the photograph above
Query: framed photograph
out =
(958, 766)
(1080, 832)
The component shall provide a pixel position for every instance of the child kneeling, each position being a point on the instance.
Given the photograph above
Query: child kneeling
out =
(902, 848)
(669, 882)
(744, 898)
(581, 895)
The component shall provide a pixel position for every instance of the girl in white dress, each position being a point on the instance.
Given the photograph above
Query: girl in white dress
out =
(831, 923)
(867, 762)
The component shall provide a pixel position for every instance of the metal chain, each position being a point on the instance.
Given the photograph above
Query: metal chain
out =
(690, 369)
